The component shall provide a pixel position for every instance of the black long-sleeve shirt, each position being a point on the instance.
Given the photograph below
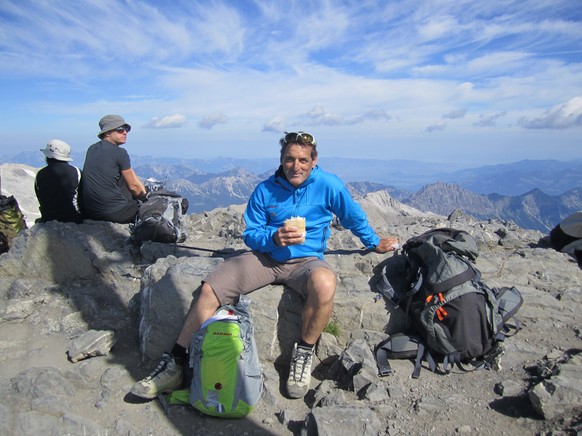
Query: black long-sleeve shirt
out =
(56, 187)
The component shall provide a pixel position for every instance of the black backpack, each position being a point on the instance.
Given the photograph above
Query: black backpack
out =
(454, 318)
(159, 218)
(567, 236)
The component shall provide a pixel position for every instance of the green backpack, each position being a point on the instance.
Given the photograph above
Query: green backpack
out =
(11, 218)
(227, 381)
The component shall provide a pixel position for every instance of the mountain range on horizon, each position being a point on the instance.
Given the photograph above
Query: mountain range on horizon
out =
(533, 194)
(553, 177)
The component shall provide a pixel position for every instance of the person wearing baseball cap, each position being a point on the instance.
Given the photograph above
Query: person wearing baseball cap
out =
(57, 185)
(110, 187)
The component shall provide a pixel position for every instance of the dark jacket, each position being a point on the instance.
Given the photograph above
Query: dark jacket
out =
(56, 187)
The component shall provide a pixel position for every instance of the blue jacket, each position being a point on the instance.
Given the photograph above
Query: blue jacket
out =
(317, 199)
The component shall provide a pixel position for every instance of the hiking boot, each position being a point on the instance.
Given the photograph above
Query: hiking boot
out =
(165, 378)
(299, 372)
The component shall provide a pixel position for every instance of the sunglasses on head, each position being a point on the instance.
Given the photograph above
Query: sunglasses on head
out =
(123, 129)
(299, 138)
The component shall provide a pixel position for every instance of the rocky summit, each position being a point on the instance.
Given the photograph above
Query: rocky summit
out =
(84, 313)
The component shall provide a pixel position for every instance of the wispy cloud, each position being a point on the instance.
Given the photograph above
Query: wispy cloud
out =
(489, 120)
(563, 116)
(209, 121)
(276, 124)
(168, 122)
(436, 127)
(455, 114)
(318, 116)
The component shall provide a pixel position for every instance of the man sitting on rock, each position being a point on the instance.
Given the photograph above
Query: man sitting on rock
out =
(282, 253)
(110, 188)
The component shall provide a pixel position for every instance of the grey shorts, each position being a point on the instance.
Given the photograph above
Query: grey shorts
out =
(252, 270)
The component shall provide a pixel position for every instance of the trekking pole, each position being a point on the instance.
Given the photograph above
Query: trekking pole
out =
(208, 250)
(190, 247)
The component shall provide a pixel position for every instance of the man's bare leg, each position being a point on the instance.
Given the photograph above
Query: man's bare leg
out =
(315, 316)
(169, 374)
(200, 310)
(319, 305)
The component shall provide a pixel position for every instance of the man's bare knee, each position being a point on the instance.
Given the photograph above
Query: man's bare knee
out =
(322, 283)
(208, 297)
(203, 306)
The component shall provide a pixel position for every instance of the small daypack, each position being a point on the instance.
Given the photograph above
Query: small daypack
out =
(227, 381)
(159, 218)
(11, 218)
(454, 318)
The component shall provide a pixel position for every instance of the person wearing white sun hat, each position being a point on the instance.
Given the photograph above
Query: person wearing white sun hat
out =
(57, 185)
(110, 188)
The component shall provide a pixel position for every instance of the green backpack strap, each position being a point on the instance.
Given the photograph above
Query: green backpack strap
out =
(179, 397)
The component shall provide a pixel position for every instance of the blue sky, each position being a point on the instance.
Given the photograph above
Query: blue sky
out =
(477, 82)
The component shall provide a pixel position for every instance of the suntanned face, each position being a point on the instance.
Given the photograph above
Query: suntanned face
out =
(297, 163)
(116, 137)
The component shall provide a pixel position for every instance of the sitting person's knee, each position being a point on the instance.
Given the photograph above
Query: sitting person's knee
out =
(322, 282)
(323, 277)
(206, 291)
(207, 296)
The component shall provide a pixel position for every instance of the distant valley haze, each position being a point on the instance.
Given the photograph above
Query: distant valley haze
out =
(550, 176)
